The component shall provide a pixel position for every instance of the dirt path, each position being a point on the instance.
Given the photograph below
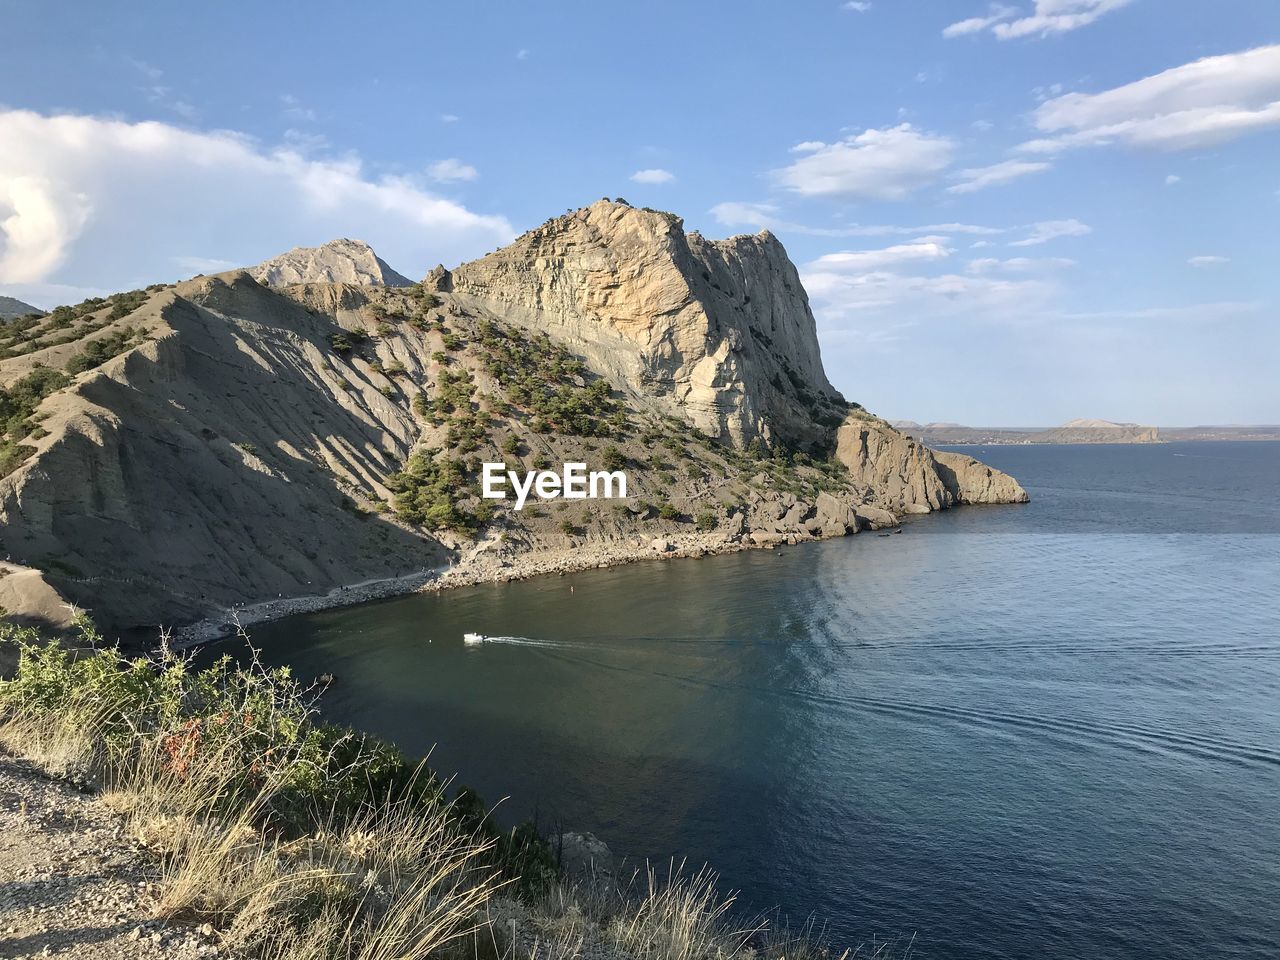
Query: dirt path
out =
(72, 882)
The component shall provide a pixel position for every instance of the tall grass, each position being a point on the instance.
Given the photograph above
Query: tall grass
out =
(296, 840)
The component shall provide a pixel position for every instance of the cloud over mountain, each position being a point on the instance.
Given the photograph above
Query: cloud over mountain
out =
(108, 204)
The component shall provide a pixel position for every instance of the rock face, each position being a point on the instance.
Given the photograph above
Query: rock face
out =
(906, 477)
(11, 307)
(250, 441)
(338, 261)
(718, 332)
(208, 465)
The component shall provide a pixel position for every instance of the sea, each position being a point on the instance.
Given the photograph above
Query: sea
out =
(1048, 730)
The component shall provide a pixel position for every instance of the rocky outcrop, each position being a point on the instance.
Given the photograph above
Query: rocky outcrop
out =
(906, 477)
(718, 332)
(245, 449)
(338, 261)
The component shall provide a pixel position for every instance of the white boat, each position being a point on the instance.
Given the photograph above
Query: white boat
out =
(470, 638)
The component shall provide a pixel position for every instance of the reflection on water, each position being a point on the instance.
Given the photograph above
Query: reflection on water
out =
(1049, 731)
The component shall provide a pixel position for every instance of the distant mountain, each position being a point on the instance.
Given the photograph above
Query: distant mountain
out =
(1096, 431)
(338, 261)
(11, 307)
(1073, 431)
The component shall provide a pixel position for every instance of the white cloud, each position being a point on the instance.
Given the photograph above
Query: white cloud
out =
(452, 170)
(1048, 230)
(972, 25)
(1197, 104)
(654, 175)
(808, 146)
(978, 178)
(766, 215)
(1171, 179)
(841, 297)
(1208, 261)
(923, 250)
(449, 118)
(103, 204)
(1048, 17)
(293, 108)
(194, 265)
(886, 164)
(987, 265)
(857, 6)
(522, 54)
(850, 286)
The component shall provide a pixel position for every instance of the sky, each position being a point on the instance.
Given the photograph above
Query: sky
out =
(1004, 213)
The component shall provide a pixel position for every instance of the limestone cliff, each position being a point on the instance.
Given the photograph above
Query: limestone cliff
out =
(907, 477)
(715, 331)
(176, 451)
(338, 261)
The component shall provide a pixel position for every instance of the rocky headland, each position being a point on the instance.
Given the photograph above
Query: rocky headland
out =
(309, 432)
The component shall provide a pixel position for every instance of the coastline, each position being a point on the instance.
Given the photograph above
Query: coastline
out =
(480, 567)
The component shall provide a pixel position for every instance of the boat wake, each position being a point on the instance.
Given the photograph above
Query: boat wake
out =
(477, 639)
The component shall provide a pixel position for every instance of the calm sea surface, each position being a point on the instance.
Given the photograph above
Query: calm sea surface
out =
(1033, 731)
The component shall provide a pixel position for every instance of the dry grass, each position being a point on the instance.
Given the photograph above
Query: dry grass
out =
(398, 879)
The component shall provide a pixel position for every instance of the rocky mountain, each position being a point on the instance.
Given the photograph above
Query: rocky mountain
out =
(338, 261)
(11, 307)
(716, 331)
(227, 441)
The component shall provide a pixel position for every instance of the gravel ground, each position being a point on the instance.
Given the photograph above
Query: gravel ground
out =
(72, 882)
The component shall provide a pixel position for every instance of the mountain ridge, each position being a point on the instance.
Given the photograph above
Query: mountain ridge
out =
(222, 443)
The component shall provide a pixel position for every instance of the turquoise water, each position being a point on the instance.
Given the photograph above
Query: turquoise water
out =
(1049, 730)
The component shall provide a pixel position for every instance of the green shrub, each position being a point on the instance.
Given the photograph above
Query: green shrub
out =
(668, 512)
(706, 521)
(611, 458)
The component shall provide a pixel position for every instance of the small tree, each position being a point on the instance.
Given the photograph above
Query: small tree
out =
(611, 458)
(706, 521)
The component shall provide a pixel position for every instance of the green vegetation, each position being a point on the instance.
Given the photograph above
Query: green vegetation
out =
(17, 405)
(429, 492)
(611, 458)
(97, 352)
(706, 521)
(548, 385)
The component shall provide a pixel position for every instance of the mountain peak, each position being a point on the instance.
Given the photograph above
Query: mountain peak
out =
(718, 331)
(339, 261)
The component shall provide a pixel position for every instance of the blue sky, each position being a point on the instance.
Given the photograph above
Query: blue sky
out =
(1010, 213)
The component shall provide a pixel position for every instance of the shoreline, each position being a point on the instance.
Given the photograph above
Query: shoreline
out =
(481, 567)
